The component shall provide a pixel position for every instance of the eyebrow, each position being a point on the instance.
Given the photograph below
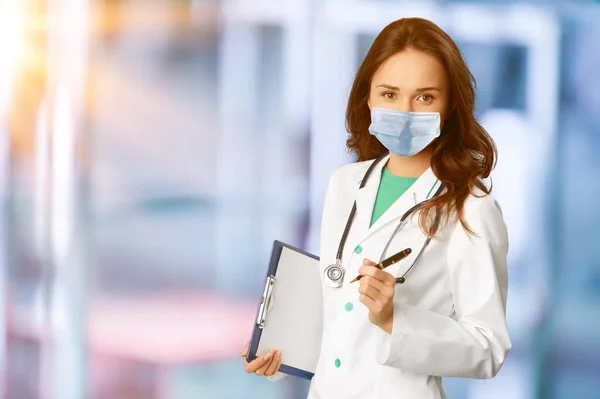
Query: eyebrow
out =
(420, 90)
(394, 88)
(432, 88)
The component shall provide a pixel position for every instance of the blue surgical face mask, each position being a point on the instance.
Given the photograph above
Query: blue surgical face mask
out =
(404, 133)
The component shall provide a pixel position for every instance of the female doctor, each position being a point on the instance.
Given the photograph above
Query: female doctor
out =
(418, 184)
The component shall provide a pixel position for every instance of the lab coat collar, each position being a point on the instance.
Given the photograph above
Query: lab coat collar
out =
(425, 186)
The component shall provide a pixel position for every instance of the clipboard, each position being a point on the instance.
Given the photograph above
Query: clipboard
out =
(289, 316)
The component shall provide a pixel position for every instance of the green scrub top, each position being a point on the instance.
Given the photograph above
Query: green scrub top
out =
(390, 189)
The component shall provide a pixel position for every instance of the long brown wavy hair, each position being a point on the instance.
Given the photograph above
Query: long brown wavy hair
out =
(464, 154)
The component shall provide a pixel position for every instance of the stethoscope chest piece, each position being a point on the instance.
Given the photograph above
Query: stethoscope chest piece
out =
(334, 275)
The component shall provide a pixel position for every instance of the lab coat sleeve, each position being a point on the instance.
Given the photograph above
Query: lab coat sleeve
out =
(475, 343)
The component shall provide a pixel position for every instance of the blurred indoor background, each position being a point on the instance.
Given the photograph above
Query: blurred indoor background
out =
(152, 150)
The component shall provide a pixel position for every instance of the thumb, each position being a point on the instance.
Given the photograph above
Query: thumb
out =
(368, 262)
(245, 352)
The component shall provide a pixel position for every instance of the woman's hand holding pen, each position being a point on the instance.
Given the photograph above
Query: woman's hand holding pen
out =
(377, 289)
(267, 364)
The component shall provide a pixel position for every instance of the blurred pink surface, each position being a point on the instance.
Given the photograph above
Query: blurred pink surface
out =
(165, 329)
(171, 328)
(133, 341)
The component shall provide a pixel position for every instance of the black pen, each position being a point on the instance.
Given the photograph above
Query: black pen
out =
(389, 261)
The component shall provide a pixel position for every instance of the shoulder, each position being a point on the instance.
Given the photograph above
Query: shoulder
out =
(349, 175)
(480, 204)
(483, 214)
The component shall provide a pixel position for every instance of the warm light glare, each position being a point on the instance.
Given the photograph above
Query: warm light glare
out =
(11, 32)
(11, 43)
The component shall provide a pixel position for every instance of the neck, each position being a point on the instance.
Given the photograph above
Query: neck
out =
(413, 166)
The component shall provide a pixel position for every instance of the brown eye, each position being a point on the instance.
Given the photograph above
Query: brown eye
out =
(389, 95)
(426, 98)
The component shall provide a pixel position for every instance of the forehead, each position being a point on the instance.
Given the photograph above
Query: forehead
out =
(411, 69)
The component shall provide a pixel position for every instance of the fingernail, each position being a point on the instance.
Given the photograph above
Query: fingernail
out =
(268, 355)
(278, 352)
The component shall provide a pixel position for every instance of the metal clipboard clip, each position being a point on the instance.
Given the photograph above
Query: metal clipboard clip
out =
(265, 302)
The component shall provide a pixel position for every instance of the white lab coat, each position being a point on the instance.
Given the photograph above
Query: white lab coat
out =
(449, 315)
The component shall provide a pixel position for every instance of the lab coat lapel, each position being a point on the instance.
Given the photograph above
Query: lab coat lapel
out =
(365, 199)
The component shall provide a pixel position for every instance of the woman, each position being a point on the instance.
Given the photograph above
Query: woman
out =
(442, 314)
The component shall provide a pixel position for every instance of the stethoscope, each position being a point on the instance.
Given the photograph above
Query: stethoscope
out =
(334, 274)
